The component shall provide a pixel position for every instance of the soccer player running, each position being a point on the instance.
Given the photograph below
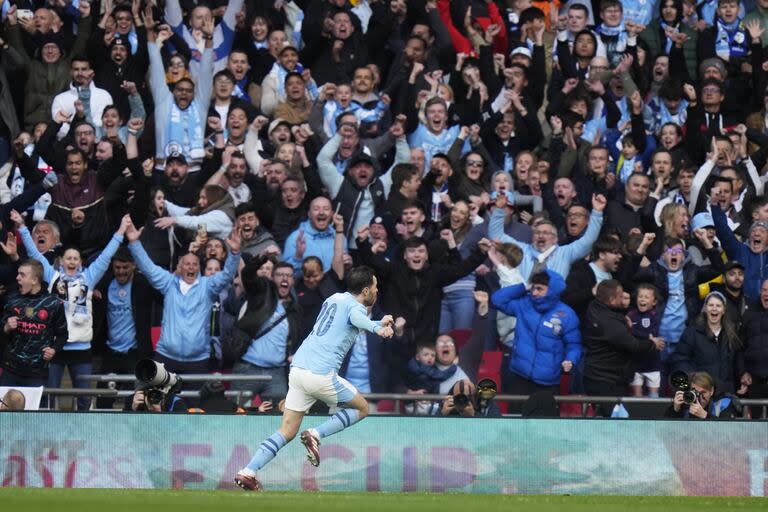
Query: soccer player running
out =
(314, 374)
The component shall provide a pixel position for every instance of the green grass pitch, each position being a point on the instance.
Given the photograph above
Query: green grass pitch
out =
(112, 500)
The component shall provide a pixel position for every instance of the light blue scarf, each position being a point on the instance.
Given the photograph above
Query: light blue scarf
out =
(184, 134)
(619, 32)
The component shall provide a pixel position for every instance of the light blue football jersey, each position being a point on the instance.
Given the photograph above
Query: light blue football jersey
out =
(336, 328)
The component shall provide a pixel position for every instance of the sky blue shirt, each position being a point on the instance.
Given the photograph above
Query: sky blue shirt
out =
(675, 313)
(270, 350)
(358, 373)
(337, 326)
(122, 331)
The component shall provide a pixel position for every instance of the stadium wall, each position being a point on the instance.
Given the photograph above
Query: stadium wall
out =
(627, 457)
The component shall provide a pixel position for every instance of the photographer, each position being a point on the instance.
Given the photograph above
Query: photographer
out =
(171, 403)
(698, 401)
(157, 389)
(462, 400)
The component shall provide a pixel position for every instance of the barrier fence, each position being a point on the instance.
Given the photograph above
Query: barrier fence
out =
(755, 409)
(390, 454)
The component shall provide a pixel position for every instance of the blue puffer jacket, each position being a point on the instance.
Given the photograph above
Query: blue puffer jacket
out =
(547, 331)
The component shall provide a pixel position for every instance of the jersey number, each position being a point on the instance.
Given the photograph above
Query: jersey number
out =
(325, 319)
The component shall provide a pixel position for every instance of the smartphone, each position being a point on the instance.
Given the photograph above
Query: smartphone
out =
(338, 207)
(202, 230)
(24, 14)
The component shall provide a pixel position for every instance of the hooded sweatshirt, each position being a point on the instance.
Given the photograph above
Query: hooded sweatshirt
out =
(547, 331)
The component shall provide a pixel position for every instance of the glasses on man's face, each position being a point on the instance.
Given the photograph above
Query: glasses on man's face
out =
(544, 233)
(284, 275)
(576, 215)
(711, 90)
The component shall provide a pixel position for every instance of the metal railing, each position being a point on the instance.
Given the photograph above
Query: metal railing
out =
(756, 409)
(190, 377)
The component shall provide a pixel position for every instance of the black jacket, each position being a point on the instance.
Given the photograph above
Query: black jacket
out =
(610, 348)
(698, 351)
(754, 335)
(142, 298)
(416, 295)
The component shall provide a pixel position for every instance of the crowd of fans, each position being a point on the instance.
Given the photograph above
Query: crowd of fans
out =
(580, 183)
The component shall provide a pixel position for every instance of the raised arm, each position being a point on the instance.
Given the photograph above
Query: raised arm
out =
(29, 245)
(159, 278)
(326, 168)
(581, 247)
(227, 275)
(96, 270)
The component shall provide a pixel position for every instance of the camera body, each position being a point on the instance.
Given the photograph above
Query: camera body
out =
(156, 382)
(460, 401)
(678, 380)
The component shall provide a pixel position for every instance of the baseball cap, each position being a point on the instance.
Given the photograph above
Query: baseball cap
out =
(361, 158)
(521, 50)
(702, 220)
(277, 122)
(731, 264)
(176, 157)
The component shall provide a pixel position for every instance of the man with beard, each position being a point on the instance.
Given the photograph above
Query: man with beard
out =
(126, 334)
(82, 89)
(544, 249)
(296, 105)
(359, 192)
(234, 177)
(314, 237)
(732, 288)
(77, 203)
(585, 275)
(752, 253)
(182, 187)
(180, 116)
(415, 285)
(314, 374)
(255, 239)
(115, 64)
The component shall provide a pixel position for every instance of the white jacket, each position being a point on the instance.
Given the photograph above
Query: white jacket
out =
(65, 101)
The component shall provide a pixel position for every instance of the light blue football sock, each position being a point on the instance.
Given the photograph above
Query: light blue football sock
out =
(338, 422)
(267, 451)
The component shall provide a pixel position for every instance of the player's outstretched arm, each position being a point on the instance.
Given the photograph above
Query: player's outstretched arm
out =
(360, 320)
